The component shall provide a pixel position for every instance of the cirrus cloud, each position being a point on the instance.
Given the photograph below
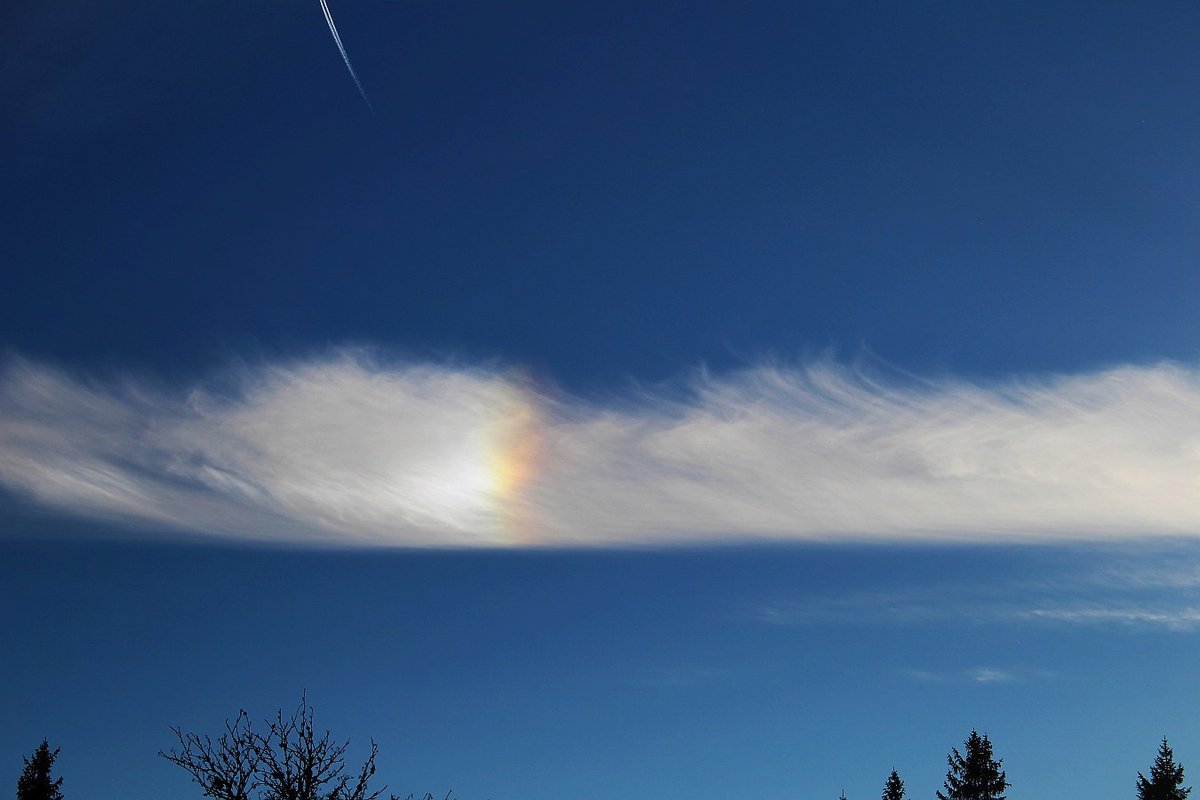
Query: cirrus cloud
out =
(351, 449)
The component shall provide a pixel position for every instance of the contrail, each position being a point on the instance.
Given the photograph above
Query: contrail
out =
(338, 41)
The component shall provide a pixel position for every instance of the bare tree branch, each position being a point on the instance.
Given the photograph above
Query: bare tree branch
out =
(225, 769)
(289, 761)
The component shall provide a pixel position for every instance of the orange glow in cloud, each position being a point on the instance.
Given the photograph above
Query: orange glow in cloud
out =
(516, 462)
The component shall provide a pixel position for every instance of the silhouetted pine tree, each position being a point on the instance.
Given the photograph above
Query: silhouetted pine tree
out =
(894, 788)
(35, 782)
(1166, 778)
(974, 774)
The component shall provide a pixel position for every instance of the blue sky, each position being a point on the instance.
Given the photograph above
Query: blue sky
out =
(639, 399)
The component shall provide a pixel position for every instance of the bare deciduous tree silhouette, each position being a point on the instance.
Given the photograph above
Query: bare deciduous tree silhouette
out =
(225, 769)
(289, 761)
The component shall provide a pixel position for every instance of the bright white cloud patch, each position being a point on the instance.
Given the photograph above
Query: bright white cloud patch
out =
(352, 450)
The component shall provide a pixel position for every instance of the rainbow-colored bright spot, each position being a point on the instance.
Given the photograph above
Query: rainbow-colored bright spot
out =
(516, 454)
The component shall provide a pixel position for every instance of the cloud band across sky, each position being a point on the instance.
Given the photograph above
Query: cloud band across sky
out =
(349, 449)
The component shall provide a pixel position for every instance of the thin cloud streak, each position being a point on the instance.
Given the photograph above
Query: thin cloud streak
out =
(337, 39)
(349, 449)
(1165, 608)
(991, 675)
(1175, 619)
(982, 675)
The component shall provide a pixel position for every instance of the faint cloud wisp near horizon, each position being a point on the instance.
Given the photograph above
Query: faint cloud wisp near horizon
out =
(1110, 587)
(979, 675)
(350, 449)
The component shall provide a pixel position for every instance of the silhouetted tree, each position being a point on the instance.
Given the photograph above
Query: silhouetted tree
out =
(894, 788)
(1166, 778)
(286, 762)
(225, 769)
(36, 782)
(974, 774)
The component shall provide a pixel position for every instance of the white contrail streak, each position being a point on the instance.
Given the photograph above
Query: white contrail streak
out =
(346, 58)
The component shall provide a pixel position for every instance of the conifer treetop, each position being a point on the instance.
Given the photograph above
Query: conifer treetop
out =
(894, 788)
(36, 781)
(974, 774)
(1166, 778)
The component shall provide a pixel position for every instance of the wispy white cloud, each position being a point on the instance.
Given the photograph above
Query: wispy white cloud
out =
(351, 449)
(901, 608)
(1169, 570)
(982, 675)
(1166, 607)
(991, 675)
(1184, 618)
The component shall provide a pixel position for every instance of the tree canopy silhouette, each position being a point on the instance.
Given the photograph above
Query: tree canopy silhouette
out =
(894, 788)
(36, 781)
(974, 774)
(288, 761)
(1166, 778)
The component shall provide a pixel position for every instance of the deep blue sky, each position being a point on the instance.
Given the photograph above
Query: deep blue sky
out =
(599, 674)
(602, 195)
(604, 192)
